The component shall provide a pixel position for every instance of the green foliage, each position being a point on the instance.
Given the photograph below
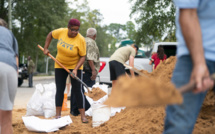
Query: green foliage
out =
(4, 9)
(34, 19)
(130, 29)
(155, 19)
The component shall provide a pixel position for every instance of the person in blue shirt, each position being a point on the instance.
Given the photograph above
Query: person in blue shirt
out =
(195, 32)
(8, 76)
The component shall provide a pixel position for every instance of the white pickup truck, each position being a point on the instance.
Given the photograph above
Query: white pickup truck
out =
(141, 63)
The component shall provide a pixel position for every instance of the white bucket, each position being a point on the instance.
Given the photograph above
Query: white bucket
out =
(101, 114)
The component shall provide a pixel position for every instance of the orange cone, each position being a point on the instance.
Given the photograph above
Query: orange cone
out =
(64, 107)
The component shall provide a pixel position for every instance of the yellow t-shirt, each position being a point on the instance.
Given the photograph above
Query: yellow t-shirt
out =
(69, 50)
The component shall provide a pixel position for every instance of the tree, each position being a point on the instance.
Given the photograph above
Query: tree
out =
(117, 30)
(130, 29)
(156, 18)
(34, 20)
(4, 9)
(92, 18)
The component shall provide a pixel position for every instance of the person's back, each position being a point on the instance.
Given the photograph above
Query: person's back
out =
(122, 54)
(6, 47)
(8, 76)
(157, 60)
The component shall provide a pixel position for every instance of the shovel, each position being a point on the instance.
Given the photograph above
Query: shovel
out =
(70, 73)
(183, 89)
(192, 85)
(146, 91)
(135, 70)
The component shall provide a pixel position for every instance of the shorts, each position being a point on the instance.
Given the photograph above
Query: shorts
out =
(8, 86)
(116, 69)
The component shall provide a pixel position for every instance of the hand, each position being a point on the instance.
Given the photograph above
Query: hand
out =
(46, 51)
(201, 76)
(94, 74)
(74, 72)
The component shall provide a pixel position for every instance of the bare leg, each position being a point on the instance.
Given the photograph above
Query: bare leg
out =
(113, 85)
(68, 88)
(83, 117)
(6, 122)
(58, 112)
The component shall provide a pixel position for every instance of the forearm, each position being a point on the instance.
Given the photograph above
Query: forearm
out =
(80, 62)
(131, 63)
(192, 35)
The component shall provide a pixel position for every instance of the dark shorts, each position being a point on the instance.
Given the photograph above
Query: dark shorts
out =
(116, 69)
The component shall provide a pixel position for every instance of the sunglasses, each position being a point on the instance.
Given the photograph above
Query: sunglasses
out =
(73, 30)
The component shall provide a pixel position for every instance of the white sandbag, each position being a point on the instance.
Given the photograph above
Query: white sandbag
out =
(43, 101)
(34, 106)
(89, 111)
(99, 104)
(101, 114)
(85, 89)
(115, 110)
(36, 124)
(104, 87)
(49, 100)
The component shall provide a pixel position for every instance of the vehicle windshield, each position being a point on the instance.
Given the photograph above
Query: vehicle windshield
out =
(140, 54)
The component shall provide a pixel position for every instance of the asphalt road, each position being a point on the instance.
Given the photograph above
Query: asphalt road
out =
(24, 93)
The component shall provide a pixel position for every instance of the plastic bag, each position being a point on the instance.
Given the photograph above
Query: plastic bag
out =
(36, 124)
(34, 106)
(43, 101)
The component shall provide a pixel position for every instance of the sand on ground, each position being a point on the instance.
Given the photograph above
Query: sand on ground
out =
(138, 120)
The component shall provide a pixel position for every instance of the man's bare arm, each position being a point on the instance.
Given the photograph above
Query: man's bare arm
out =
(131, 63)
(193, 37)
(94, 74)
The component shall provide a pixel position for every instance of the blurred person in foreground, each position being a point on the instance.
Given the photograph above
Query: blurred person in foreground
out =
(91, 66)
(195, 21)
(118, 59)
(31, 67)
(157, 57)
(8, 76)
(71, 51)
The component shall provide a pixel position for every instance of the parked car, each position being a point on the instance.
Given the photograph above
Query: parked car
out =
(23, 73)
(170, 48)
(140, 62)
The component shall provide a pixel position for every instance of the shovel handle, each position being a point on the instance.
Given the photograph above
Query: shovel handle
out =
(192, 85)
(70, 73)
(135, 70)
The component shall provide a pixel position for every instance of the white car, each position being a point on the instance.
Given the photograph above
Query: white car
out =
(141, 63)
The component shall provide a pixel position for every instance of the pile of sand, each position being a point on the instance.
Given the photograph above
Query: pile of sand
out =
(143, 91)
(96, 93)
(140, 120)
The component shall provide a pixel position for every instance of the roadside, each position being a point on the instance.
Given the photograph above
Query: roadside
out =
(24, 93)
(43, 77)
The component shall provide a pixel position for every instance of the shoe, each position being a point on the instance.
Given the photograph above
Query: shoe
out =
(74, 113)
